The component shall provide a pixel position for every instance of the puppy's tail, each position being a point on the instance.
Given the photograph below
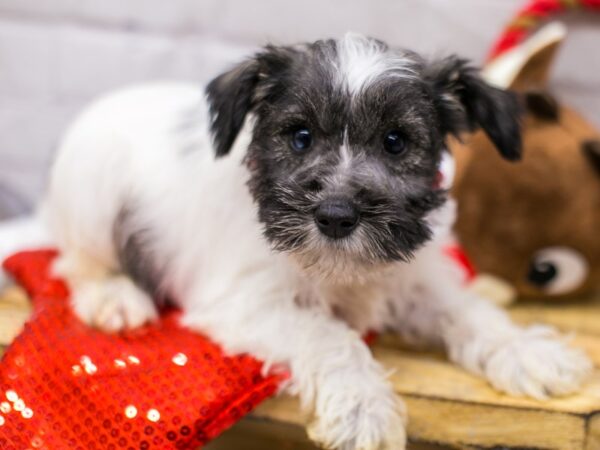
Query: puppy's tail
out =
(22, 233)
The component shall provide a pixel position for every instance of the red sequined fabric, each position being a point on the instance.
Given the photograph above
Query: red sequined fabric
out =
(64, 385)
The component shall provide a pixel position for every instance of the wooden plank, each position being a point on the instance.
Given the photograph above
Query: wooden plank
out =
(257, 434)
(582, 315)
(449, 406)
(14, 311)
(593, 435)
(428, 376)
(460, 424)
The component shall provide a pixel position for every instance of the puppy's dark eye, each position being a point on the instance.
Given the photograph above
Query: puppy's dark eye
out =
(394, 142)
(301, 139)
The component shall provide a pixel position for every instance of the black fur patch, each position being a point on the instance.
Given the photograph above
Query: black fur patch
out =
(230, 97)
(135, 258)
(465, 101)
(233, 94)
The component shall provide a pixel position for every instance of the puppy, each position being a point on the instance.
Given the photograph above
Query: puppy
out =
(289, 208)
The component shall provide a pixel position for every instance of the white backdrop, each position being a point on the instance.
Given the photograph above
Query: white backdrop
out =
(55, 55)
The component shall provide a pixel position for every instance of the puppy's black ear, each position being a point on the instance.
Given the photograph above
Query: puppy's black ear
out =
(465, 102)
(230, 98)
(233, 94)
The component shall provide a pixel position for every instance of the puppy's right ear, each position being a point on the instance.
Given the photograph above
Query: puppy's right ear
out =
(230, 99)
(233, 94)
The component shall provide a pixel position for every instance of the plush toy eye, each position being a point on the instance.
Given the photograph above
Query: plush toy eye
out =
(557, 270)
(394, 142)
(301, 139)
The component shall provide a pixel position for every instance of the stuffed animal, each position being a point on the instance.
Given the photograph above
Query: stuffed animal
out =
(532, 229)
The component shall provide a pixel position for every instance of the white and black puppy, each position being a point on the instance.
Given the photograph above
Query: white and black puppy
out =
(289, 208)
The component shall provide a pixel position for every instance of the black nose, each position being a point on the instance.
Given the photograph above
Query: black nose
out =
(336, 218)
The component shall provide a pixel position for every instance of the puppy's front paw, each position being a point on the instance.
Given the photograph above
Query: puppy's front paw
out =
(536, 363)
(362, 418)
(113, 304)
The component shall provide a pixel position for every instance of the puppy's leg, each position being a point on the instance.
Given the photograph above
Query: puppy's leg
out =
(479, 336)
(354, 406)
(105, 299)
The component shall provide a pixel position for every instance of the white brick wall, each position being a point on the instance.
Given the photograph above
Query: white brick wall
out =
(55, 55)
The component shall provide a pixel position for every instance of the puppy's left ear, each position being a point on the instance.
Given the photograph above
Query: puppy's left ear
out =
(464, 101)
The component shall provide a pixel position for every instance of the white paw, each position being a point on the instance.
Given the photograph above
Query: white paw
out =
(363, 417)
(113, 304)
(536, 363)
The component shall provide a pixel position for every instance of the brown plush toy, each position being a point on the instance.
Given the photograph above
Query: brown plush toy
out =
(532, 229)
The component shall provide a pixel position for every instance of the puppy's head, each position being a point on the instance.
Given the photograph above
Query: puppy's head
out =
(347, 138)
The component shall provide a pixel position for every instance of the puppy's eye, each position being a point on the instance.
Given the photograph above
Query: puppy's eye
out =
(301, 139)
(394, 142)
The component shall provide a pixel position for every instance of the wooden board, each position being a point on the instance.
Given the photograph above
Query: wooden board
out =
(257, 434)
(14, 311)
(447, 406)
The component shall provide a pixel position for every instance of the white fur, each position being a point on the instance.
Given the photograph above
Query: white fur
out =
(362, 60)
(132, 146)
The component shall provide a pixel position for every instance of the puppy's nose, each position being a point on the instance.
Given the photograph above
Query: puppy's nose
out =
(336, 218)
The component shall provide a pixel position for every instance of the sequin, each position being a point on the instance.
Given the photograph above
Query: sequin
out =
(159, 387)
(130, 412)
(19, 405)
(180, 359)
(153, 415)
(88, 365)
(12, 396)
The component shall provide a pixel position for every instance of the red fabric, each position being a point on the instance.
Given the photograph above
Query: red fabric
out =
(64, 385)
(460, 257)
(531, 16)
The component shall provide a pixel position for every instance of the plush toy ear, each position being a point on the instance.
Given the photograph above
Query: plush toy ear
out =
(591, 149)
(542, 105)
(527, 66)
(233, 94)
(466, 102)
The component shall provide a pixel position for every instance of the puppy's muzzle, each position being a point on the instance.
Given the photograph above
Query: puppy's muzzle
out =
(337, 218)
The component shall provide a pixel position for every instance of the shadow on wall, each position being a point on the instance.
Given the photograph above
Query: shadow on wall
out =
(11, 203)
